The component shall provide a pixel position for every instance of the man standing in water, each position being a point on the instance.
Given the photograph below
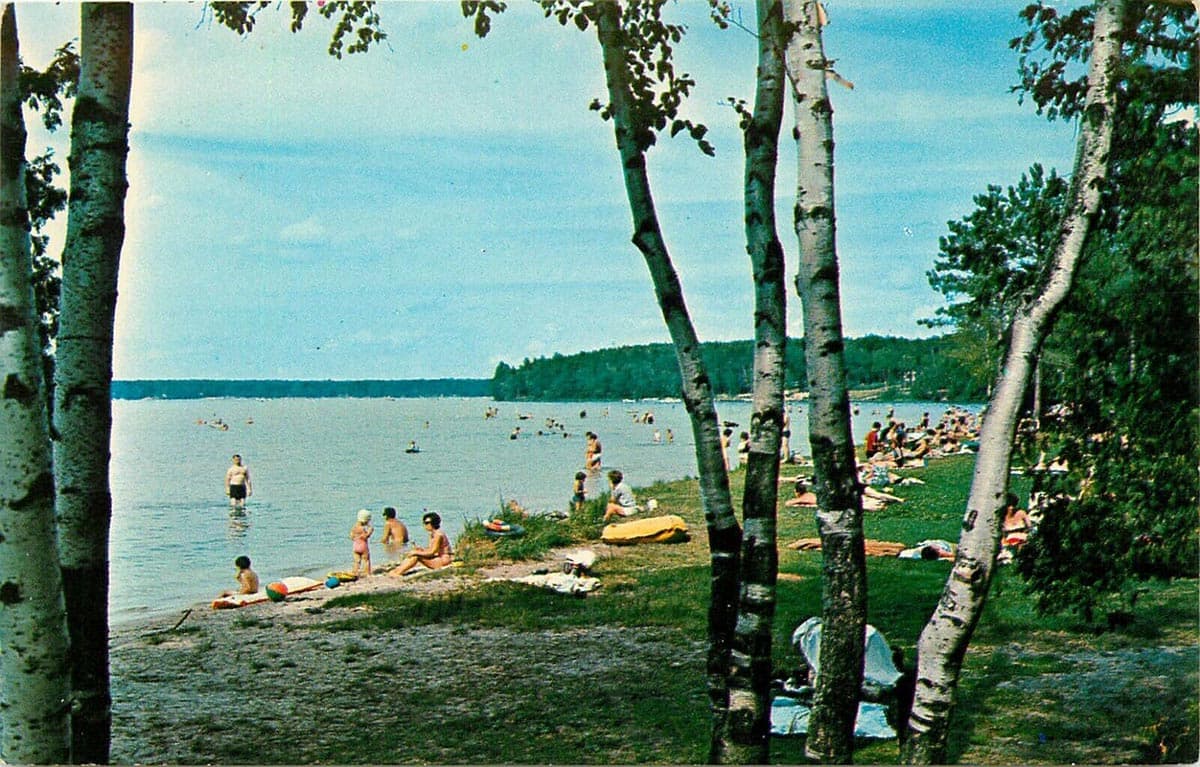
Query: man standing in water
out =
(592, 454)
(237, 484)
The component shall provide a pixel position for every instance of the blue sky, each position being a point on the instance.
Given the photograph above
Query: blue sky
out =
(443, 203)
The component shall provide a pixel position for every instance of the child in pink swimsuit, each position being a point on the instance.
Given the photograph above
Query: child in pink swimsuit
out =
(360, 534)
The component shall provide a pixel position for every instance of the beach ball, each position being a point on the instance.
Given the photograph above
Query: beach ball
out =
(332, 582)
(276, 591)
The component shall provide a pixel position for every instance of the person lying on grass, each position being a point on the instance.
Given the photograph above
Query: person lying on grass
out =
(875, 500)
(803, 496)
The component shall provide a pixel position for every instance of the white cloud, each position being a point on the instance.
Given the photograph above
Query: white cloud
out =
(310, 231)
(430, 197)
(267, 82)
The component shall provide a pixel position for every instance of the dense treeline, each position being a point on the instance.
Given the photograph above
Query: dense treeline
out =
(926, 369)
(196, 389)
(923, 369)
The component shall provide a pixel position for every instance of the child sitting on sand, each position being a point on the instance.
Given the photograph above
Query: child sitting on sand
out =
(360, 533)
(247, 579)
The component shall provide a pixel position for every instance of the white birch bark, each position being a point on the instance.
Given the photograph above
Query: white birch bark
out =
(747, 740)
(35, 723)
(83, 370)
(944, 640)
(839, 505)
(724, 532)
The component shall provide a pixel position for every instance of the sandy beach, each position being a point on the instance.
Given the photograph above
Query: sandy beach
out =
(271, 683)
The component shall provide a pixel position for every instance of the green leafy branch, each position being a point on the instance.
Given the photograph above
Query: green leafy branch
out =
(45, 90)
(647, 42)
(356, 22)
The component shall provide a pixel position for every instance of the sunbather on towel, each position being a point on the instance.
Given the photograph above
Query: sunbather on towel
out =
(880, 495)
(1016, 524)
(877, 500)
(803, 496)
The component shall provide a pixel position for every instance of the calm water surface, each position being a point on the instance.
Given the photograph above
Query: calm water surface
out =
(315, 462)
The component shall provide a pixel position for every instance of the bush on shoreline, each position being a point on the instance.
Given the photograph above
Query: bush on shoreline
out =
(543, 533)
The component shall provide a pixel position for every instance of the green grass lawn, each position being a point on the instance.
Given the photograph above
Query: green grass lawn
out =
(1034, 689)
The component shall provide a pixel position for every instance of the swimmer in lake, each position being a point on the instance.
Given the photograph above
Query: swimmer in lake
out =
(395, 534)
(237, 483)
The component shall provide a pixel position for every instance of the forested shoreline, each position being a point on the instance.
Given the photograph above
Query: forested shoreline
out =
(273, 389)
(898, 368)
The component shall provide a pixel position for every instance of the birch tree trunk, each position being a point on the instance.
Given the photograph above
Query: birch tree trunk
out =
(724, 533)
(747, 739)
(35, 710)
(839, 505)
(1037, 392)
(83, 373)
(944, 640)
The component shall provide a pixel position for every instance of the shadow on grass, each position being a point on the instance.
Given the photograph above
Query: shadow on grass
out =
(1010, 674)
(673, 597)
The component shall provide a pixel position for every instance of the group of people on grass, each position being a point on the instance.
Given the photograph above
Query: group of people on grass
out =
(622, 502)
(892, 448)
(896, 447)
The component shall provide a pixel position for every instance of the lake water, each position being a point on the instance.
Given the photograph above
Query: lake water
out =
(315, 462)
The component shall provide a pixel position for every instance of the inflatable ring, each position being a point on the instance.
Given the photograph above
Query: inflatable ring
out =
(499, 529)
